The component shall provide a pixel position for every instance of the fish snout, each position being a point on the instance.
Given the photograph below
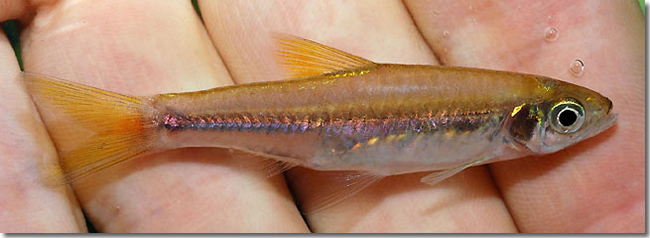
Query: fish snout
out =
(609, 105)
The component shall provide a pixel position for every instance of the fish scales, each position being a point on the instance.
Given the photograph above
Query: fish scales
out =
(335, 115)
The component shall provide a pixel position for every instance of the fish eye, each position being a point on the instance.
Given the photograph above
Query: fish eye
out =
(567, 116)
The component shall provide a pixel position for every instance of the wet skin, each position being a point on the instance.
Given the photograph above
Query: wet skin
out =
(156, 47)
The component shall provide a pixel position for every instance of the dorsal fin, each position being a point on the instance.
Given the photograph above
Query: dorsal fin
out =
(303, 58)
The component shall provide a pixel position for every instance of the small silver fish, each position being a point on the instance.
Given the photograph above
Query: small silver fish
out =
(340, 113)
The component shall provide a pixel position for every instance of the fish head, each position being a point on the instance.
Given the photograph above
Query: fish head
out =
(569, 115)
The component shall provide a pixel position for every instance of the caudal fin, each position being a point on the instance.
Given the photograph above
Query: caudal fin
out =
(92, 129)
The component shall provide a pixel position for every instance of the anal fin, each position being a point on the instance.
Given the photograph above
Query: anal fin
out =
(304, 58)
(268, 165)
(438, 176)
(322, 189)
(272, 167)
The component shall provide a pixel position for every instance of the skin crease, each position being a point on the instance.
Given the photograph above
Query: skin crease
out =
(140, 47)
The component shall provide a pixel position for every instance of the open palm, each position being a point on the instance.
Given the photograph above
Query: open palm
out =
(149, 47)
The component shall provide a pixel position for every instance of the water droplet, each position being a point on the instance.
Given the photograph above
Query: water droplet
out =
(474, 20)
(471, 7)
(577, 67)
(550, 19)
(445, 33)
(551, 33)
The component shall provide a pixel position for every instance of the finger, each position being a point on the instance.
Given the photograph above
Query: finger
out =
(382, 32)
(243, 35)
(12, 9)
(143, 48)
(27, 203)
(588, 187)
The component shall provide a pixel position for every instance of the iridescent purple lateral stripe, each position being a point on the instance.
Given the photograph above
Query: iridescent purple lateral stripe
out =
(235, 122)
(459, 122)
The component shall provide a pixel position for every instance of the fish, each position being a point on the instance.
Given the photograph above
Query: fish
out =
(336, 112)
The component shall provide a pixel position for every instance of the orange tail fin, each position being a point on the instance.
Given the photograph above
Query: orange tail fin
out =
(92, 129)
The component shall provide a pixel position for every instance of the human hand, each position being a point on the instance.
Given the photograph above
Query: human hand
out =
(154, 47)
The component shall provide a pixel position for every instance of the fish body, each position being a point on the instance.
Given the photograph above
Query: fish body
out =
(394, 119)
(340, 112)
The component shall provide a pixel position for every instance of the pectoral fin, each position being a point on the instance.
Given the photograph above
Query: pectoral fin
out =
(438, 176)
(304, 58)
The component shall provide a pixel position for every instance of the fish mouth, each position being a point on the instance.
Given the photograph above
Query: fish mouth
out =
(607, 122)
(610, 106)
